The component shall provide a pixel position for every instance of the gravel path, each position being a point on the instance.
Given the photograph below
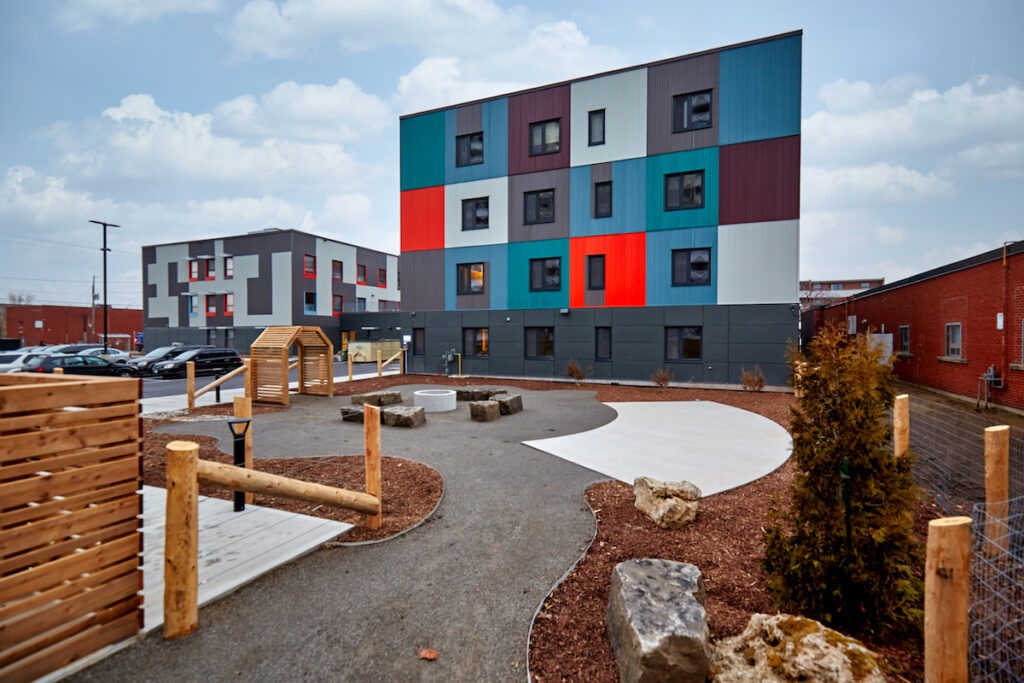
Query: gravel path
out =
(466, 583)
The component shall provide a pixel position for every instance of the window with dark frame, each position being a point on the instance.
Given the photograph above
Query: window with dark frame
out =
(954, 340)
(539, 207)
(603, 199)
(229, 267)
(691, 111)
(684, 190)
(595, 127)
(603, 343)
(211, 305)
(337, 304)
(193, 270)
(545, 137)
(691, 267)
(382, 277)
(469, 278)
(210, 269)
(361, 304)
(546, 274)
(475, 341)
(337, 271)
(193, 304)
(475, 213)
(904, 338)
(229, 304)
(419, 341)
(308, 265)
(309, 303)
(360, 274)
(595, 272)
(540, 342)
(683, 343)
(469, 149)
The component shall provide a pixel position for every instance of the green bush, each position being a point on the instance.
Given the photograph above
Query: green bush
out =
(872, 585)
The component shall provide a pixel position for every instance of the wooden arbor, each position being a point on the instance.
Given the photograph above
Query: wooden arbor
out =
(268, 363)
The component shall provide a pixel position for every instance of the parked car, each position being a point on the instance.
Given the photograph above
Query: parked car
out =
(73, 364)
(144, 364)
(13, 361)
(209, 361)
(112, 354)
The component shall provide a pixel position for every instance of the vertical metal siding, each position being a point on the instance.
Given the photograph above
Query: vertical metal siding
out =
(660, 244)
(558, 179)
(422, 219)
(519, 255)
(760, 181)
(629, 203)
(496, 191)
(491, 117)
(680, 77)
(422, 150)
(760, 91)
(531, 107)
(469, 119)
(625, 257)
(758, 263)
(495, 260)
(658, 166)
(623, 97)
(424, 275)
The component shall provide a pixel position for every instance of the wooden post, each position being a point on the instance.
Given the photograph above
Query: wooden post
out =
(181, 541)
(243, 408)
(997, 488)
(946, 600)
(401, 361)
(371, 435)
(380, 369)
(248, 377)
(349, 356)
(190, 388)
(901, 425)
(58, 371)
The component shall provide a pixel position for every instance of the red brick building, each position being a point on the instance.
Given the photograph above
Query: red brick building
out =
(36, 324)
(951, 324)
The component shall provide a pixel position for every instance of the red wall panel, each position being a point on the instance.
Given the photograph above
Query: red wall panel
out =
(423, 219)
(972, 297)
(532, 107)
(624, 265)
(759, 181)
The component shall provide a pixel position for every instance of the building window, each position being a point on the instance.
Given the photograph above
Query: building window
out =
(337, 271)
(602, 200)
(545, 274)
(361, 304)
(419, 341)
(691, 267)
(475, 341)
(229, 337)
(309, 303)
(361, 274)
(595, 272)
(308, 265)
(540, 342)
(691, 111)
(904, 338)
(683, 343)
(382, 277)
(211, 336)
(595, 127)
(469, 149)
(229, 304)
(229, 267)
(954, 346)
(836, 287)
(193, 304)
(193, 270)
(470, 278)
(545, 137)
(539, 207)
(684, 190)
(475, 214)
(337, 304)
(865, 285)
(211, 305)
(603, 343)
(816, 287)
(209, 269)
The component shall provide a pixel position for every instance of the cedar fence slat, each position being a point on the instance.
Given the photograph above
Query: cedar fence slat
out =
(71, 481)
(83, 583)
(27, 561)
(56, 418)
(43, 533)
(71, 503)
(51, 463)
(47, 441)
(62, 393)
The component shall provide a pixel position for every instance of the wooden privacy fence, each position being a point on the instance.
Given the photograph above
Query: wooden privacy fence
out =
(70, 542)
(181, 544)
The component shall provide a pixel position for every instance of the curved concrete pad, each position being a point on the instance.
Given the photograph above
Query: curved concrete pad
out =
(715, 446)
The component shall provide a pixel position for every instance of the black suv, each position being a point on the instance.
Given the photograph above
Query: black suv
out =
(145, 363)
(79, 365)
(209, 361)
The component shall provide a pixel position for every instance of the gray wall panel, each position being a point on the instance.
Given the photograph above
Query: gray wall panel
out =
(423, 266)
(678, 78)
(558, 180)
(469, 119)
(685, 315)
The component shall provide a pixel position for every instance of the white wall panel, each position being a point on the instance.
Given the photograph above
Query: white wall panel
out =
(326, 252)
(163, 305)
(758, 263)
(280, 274)
(623, 96)
(496, 190)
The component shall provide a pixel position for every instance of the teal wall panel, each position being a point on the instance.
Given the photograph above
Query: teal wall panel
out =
(422, 150)
(659, 166)
(495, 260)
(660, 244)
(629, 206)
(494, 123)
(759, 91)
(519, 255)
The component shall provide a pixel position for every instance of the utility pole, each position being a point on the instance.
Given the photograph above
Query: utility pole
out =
(105, 309)
(92, 303)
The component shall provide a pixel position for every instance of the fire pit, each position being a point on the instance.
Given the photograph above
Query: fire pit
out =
(435, 400)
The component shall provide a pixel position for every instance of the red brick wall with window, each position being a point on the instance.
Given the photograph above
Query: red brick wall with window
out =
(972, 297)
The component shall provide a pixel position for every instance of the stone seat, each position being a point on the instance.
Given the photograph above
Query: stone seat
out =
(390, 416)
(509, 403)
(484, 411)
(476, 393)
(377, 398)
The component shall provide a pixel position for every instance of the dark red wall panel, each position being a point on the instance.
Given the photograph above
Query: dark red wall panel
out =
(532, 107)
(759, 181)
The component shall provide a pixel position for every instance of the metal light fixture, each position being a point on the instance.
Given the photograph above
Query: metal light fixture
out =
(239, 426)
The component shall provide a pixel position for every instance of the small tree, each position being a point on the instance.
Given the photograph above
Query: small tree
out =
(844, 553)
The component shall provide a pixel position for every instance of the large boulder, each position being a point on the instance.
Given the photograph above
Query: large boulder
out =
(775, 648)
(669, 504)
(377, 398)
(656, 622)
(476, 393)
(509, 403)
(403, 416)
(484, 411)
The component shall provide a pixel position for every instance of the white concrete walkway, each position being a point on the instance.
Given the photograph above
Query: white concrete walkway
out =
(714, 446)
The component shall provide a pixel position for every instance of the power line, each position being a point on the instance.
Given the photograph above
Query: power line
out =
(70, 245)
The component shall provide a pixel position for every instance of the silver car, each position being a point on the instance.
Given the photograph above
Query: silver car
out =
(13, 361)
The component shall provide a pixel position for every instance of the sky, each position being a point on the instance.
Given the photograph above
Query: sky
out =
(190, 119)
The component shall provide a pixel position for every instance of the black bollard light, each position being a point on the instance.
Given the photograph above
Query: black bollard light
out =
(239, 426)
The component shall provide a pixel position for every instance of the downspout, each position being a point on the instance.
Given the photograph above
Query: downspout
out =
(1005, 360)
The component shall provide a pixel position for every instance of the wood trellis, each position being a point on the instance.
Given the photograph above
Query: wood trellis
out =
(268, 363)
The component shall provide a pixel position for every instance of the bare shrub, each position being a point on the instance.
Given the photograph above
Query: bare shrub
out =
(574, 371)
(752, 380)
(662, 377)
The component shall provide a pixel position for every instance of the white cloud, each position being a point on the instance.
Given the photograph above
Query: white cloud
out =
(879, 183)
(1003, 159)
(84, 15)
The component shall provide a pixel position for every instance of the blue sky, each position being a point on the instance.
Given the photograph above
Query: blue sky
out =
(184, 119)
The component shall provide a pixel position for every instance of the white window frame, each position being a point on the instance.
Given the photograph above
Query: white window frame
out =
(959, 347)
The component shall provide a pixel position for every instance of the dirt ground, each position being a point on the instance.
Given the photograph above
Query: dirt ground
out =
(568, 641)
